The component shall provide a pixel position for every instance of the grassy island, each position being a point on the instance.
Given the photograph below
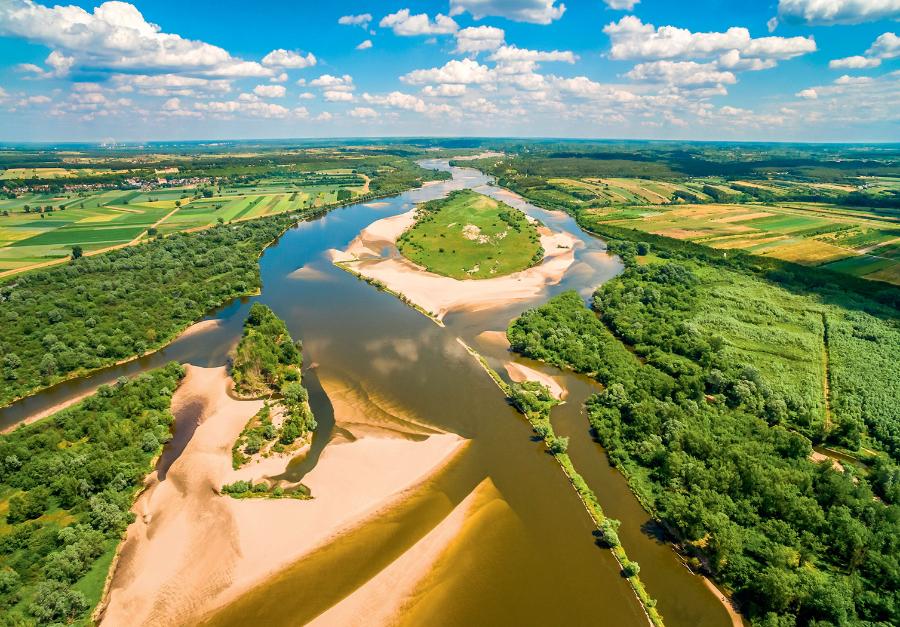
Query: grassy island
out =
(471, 236)
(67, 484)
(266, 363)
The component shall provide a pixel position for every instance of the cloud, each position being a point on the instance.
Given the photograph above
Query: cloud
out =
(307, 95)
(365, 45)
(475, 39)
(828, 12)
(165, 85)
(116, 36)
(621, 5)
(846, 79)
(363, 112)
(463, 72)
(772, 24)
(406, 25)
(808, 94)
(533, 11)
(508, 54)
(632, 39)
(398, 100)
(444, 91)
(60, 65)
(168, 84)
(887, 46)
(270, 91)
(325, 116)
(256, 109)
(854, 63)
(280, 78)
(282, 58)
(332, 95)
(333, 83)
(681, 73)
(362, 20)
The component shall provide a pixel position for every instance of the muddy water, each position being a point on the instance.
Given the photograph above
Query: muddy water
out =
(534, 560)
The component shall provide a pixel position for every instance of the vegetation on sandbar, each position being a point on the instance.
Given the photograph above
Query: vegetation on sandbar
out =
(471, 236)
(267, 363)
(67, 484)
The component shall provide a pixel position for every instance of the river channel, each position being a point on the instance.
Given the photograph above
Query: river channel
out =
(530, 558)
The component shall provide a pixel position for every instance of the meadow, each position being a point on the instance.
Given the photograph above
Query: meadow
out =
(471, 236)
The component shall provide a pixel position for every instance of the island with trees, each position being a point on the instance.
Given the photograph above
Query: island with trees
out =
(267, 364)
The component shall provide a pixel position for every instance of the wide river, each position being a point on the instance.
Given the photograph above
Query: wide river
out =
(532, 560)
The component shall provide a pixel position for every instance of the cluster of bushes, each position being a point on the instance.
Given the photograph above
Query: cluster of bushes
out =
(249, 490)
(69, 482)
(268, 362)
(797, 542)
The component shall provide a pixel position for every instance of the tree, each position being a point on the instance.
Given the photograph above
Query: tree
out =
(54, 601)
(77, 252)
(630, 569)
(558, 445)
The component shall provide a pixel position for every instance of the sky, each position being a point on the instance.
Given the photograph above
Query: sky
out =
(758, 70)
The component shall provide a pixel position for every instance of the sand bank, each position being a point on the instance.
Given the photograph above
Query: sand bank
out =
(440, 295)
(387, 593)
(192, 550)
(309, 273)
(520, 372)
(494, 339)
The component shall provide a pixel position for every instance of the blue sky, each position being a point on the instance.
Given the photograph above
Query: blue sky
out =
(807, 70)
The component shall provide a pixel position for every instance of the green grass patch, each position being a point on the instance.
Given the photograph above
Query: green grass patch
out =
(471, 236)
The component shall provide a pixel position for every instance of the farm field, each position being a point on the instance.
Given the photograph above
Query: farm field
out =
(31, 234)
(852, 241)
(471, 236)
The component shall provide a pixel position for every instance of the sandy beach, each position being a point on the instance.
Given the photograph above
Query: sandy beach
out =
(192, 550)
(520, 373)
(441, 295)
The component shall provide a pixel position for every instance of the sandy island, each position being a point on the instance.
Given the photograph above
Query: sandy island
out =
(192, 550)
(440, 295)
(520, 373)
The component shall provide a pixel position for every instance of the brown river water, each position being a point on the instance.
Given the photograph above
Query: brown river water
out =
(529, 559)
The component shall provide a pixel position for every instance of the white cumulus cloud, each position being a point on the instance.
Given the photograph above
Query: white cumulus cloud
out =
(838, 11)
(407, 25)
(365, 45)
(116, 36)
(282, 58)
(533, 11)
(464, 72)
(479, 39)
(270, 91)
(363, 20)
(363, 112)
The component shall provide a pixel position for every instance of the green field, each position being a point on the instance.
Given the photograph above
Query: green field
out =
(854, 242)
(470, 236)
(54, 223)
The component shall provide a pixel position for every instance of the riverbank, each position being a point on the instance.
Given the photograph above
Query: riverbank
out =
(191, 550)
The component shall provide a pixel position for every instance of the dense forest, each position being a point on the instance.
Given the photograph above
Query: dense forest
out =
(714, 427)
(67, 484)
(98, 310)
(267, 363)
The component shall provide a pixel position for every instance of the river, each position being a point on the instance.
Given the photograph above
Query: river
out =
(531, 560)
